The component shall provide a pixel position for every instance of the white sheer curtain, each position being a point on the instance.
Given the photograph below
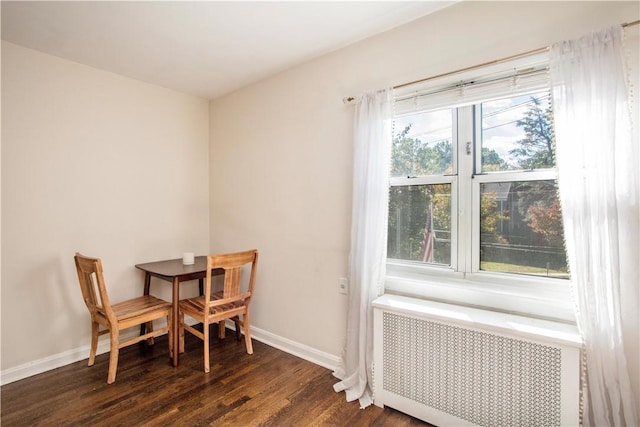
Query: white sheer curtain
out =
(599, 190)
(367, 257)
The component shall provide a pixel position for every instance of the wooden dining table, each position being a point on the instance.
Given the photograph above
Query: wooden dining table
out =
(175, 272)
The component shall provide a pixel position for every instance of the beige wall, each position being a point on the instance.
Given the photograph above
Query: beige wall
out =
(281, 150)
(97, 163)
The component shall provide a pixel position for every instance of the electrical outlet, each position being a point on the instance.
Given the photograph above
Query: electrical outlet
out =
(343, 285)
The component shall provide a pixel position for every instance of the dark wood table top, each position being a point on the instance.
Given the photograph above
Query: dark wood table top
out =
(169, 269)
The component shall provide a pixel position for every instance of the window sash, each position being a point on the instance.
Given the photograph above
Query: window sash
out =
(498, 177)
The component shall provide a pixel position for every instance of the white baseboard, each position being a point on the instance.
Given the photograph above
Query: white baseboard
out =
(57, 360)
(310, 354)
(48, 363)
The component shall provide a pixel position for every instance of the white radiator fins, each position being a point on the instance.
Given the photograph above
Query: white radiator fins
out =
(460, 366)
(483, 378)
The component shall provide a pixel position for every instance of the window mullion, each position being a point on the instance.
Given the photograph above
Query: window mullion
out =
(455, 234)
(465, 173)
(475, 190)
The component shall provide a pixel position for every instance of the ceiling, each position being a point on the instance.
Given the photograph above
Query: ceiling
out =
(204, 48)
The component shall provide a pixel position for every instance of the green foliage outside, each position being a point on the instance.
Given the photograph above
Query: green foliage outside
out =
(537, 149)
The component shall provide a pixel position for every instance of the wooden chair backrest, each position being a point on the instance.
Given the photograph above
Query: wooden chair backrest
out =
(232, 264)
(92, 285)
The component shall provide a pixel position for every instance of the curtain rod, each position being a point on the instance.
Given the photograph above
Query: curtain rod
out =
(349, 99)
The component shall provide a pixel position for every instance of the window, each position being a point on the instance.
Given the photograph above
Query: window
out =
(473, 186)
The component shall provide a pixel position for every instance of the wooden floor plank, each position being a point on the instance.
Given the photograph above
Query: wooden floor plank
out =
(267, 388)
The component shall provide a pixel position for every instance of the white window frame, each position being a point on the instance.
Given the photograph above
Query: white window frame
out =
(463, 282)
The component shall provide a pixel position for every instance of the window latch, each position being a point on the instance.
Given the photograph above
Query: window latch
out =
(468, 147)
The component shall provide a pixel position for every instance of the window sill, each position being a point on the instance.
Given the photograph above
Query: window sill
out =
(513, 325)
(526, 296)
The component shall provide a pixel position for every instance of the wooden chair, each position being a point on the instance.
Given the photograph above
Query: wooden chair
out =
(216, 307)
(117, 317)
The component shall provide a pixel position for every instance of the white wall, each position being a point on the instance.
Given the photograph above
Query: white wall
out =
(96, 163)
(281, 150)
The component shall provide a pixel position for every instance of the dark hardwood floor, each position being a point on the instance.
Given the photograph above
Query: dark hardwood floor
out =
(268, 388)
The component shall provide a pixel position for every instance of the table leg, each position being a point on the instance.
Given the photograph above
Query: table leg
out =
(147, 287)
(147, 283)
(176, 321)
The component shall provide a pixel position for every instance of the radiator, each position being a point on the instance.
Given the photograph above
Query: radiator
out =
(459, 366)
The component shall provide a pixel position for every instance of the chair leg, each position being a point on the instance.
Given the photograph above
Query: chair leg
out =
(222, 331)
(94, 343)
(236, 320)
(113, 356)
(205, 332)
(149, 328)
(247, 333)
